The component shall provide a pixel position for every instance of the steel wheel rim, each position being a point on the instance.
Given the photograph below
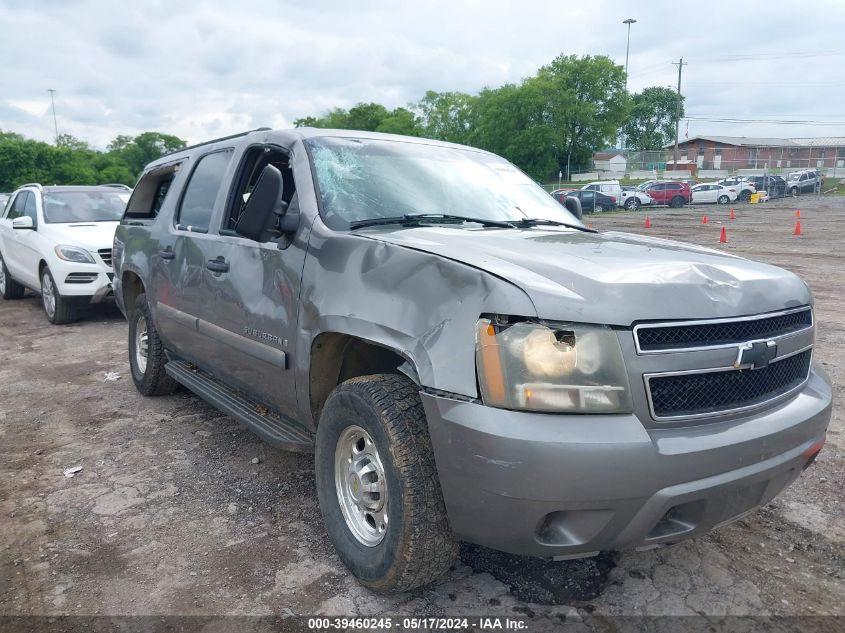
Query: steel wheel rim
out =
(141, 344)
(48, 296)
(361, 486)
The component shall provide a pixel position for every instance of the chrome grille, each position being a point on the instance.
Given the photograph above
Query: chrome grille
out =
(105, 255)
(663, 337)
(688, 394)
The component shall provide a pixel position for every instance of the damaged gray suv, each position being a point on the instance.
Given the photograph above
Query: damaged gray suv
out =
(465, 359)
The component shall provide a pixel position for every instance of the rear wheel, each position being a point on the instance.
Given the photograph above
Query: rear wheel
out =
(724, 199)
(377, 484)
(58, 310)
(632, 204)
(677, 202)
(9, 288)
(146, 353)
(745, 195)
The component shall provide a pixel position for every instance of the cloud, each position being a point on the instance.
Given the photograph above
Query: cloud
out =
(200, 70)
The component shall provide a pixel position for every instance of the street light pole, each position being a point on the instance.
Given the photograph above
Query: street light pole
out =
(629, 22)
(55, 124)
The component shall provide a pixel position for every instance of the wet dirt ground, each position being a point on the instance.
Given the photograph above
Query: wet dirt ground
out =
(173, 514)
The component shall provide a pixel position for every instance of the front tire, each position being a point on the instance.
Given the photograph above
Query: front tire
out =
(377, 484)
(724, 199)
(632, 204)
(598, 208)
(794, 192)
(146, 353)
(9, 288)
(57, 308)
(745, 195)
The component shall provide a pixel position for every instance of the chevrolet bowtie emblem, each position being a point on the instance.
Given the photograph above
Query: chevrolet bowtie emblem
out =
(756, 355)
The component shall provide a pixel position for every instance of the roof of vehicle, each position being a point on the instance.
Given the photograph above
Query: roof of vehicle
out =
(69, 188)
(286, 137)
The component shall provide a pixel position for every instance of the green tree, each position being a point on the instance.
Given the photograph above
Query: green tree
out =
(400, 121)
(447, 116)
(651, 124)
(586, 104)
(510, 121)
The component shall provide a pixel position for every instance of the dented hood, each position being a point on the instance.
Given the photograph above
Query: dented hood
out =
(613, 278)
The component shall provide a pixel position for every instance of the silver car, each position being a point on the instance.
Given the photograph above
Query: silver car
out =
(464, 357)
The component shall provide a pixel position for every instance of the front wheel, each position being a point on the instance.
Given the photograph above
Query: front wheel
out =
(745, 195)
(599, 208)
(377, 484)
(632, 204)
(57, 308)
(9, 288)
(677, 202)
(146, 353)
(724, 200)
(794, 192)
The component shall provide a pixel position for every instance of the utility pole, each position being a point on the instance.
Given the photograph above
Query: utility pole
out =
(680, 64)
(55, 124)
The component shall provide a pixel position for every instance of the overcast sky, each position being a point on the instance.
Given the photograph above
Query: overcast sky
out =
(206, 69)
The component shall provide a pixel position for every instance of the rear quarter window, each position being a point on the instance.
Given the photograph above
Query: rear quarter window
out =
(151, 192)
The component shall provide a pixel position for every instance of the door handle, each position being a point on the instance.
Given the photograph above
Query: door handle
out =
(167, 253)
(218, 265)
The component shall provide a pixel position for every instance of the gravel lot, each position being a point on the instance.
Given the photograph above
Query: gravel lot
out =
(171, 514)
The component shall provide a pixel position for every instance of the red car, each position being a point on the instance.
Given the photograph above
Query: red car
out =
(671, 192)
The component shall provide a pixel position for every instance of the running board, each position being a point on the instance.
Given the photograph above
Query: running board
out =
(272, 427)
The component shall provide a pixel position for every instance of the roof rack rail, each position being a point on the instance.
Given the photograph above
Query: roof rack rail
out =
(37, 185)
(117, 185)
(216, 140)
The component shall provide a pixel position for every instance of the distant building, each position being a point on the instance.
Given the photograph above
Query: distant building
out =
(613, 162)
(747, 152)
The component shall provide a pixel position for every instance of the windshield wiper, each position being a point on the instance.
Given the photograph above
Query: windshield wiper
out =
(529, 222)
(414, 219)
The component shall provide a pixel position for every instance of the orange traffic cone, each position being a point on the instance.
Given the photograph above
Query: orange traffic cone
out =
(589, 226)
(647, 222)
(723, 236)
(797, 227)
(732, 215)
(704, 219)
(797, 213)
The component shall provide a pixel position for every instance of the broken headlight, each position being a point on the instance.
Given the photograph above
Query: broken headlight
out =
(567, 367)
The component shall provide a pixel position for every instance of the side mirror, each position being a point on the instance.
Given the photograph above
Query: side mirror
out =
(258, 213)
(573, 205)
(265, 214)
(23, 222)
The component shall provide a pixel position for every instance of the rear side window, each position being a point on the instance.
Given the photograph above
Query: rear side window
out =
(201, 191)
(151, 192)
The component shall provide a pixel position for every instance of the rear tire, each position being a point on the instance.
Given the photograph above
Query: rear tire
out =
(9, 288)
(724, 199)
(632, 204)
(677, 202)
(745, 195)
(146, 353)
(57, 308)
(377, 484)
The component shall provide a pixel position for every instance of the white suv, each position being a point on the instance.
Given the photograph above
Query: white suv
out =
(57, 241)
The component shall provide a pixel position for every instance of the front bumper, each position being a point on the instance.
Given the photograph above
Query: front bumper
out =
(572, 485)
